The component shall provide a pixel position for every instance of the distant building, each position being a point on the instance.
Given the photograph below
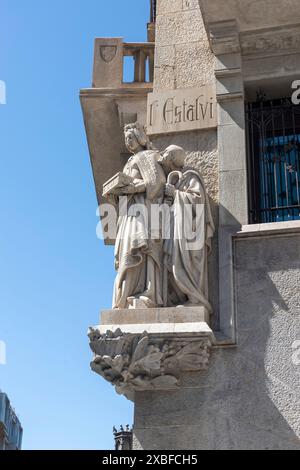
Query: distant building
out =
(10, 427)
(123, 438)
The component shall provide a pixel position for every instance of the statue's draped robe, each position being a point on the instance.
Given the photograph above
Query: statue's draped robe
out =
(186, 277)
(138, 259)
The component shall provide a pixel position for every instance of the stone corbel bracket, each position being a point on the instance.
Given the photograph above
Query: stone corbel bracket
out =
(224, 37)
(142, 361)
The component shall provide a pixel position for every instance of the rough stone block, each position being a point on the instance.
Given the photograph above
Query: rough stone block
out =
(194, 64)
(190, 4)
(165, 56)
(154, 315)
(164, 78)
(179, 28)
(108, 62)
(167, 6)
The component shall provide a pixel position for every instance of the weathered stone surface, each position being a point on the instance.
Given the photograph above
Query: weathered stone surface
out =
(250, 396)
(270, 69)
(149, 356)
(201, 148)
(155, 315)
(194, 64)
(166, 6)
(165, 77)
(252, 14)
(182, 110)
(108, 62)
(183, 329)
(179, 28)
(190, 4)
(166, 57)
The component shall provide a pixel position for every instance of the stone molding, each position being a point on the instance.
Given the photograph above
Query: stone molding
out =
(127, 90)
(156, 317)
(144, 362)
(269, 229)
(224, 37)
(271, 41)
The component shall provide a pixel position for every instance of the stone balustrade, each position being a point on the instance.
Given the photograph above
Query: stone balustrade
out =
(109, 63)
(142, 53)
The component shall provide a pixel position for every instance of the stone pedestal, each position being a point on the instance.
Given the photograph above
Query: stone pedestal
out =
(149, 349)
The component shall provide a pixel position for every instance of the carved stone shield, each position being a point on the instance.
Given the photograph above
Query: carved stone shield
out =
(108, 53)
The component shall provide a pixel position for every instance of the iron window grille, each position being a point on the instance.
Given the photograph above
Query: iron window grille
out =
(273, 146)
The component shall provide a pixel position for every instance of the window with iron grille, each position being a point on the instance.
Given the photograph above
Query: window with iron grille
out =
(273, 141)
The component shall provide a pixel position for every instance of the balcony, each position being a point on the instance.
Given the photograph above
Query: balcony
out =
(122, 80)
(110, 57)
(143, 57)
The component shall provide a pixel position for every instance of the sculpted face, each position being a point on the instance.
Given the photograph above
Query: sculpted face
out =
(172, 158)
(166, 160)
(131, 141)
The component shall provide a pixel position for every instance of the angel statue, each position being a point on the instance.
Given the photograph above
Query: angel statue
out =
(185, 261)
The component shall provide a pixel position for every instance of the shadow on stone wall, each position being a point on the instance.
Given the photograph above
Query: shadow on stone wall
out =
(250, 397)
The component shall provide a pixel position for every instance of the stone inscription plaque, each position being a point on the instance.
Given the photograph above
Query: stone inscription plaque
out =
(182, 110)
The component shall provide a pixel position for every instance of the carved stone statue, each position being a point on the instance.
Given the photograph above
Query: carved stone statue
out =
(157, 267)
(138, 256)
(138, 362)
(192, 228)
(152, 271)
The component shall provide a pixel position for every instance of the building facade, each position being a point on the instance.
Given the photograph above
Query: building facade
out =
(10, 427)
(242, 58)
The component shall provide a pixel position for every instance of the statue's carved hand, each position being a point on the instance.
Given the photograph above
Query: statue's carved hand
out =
(170, 190)
(133, 188)
(130, 189)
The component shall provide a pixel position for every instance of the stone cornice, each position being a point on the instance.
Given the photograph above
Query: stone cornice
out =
(271, 41)
(224, 37)
(269, 229)
(129, 90)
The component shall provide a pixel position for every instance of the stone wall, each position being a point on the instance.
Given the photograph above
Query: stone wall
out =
(250, 396)
(182, 57)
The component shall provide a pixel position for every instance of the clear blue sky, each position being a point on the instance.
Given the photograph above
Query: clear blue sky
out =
(55, 275)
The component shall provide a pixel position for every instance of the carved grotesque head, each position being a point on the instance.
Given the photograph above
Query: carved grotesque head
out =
(173, 158)
(136, 138)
